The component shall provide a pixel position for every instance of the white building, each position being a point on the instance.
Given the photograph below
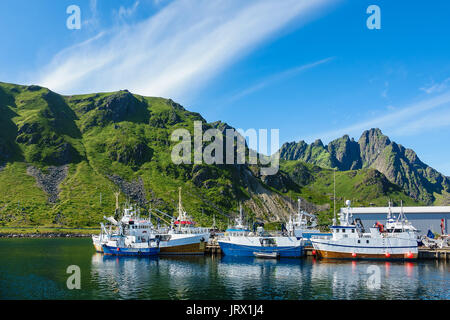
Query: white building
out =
(423, 218)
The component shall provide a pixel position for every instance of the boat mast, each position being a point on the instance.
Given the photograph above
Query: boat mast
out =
(241, 217)
(180, 209)
(334, 196)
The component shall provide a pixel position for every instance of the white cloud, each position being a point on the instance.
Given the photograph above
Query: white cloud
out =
(420, 116)
(175, 51)
(125, 13)
(278, 77)
(436, 87)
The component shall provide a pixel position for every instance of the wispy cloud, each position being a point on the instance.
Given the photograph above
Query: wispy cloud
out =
(424, 115)
(92, 22)
(278, 77)
(125, 13)
(436, 87)
(176, 50)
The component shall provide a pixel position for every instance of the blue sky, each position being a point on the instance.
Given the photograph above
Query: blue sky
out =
(309, 68)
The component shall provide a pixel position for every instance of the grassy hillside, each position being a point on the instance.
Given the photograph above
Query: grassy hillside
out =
(62, 158)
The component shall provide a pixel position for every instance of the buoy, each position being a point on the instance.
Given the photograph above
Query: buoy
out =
(353, 254)
(388, 254)
(314, 252)
(410, 255)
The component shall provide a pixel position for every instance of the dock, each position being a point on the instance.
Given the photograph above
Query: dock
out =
(213, 248)
(435, 254)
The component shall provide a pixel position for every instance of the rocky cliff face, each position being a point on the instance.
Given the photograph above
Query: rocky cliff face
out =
(375, 150)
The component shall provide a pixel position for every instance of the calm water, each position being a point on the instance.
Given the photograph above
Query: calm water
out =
(36, 269)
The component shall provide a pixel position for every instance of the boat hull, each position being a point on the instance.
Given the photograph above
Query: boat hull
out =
(98, 247)
(184, 244)
(402, 250)
(118, 251)
(346, 255)
(239, 247)
(188, 249)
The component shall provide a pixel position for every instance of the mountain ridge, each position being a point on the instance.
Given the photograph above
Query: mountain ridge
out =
(375, 150)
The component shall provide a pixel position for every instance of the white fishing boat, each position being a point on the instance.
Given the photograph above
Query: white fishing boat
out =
(350, 240)
(240, 241)
(183, 237)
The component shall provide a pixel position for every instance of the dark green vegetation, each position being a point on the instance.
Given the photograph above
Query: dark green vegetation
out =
(63, 157)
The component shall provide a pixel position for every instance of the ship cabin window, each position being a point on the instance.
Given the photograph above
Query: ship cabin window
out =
(359, 241)
(367, 241)
(343, 230)
(337, 230)
(353, 230)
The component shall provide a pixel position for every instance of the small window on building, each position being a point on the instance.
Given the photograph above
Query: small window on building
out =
(359, 241)
(367, 241)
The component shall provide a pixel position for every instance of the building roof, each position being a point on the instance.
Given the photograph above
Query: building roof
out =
(406, 210)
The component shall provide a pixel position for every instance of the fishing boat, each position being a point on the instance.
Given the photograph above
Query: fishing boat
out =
(101, 239)
(183, 237)
(304, 225)
(349, 240)
(135, 237)
(121, 245)
(239, 240)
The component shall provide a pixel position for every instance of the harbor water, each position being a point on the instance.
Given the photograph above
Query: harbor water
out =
(37, 269)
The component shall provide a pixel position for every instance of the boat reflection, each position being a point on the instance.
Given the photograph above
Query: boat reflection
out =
(228, 277)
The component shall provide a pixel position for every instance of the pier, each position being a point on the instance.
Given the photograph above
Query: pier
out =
(213, 248)
(436, 254)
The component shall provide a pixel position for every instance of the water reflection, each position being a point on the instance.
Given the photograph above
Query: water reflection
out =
(42, 275)
(253, 278)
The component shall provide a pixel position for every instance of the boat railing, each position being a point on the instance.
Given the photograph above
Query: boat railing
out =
(321, 237)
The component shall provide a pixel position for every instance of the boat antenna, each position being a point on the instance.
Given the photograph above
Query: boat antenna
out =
(334, 196)
(389, 210)
(116, 194)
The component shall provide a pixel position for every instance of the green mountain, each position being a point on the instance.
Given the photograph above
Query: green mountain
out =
(374, 150)
(62, 158)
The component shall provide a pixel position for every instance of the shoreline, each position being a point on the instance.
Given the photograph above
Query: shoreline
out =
(45, 235)
(46, 232)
